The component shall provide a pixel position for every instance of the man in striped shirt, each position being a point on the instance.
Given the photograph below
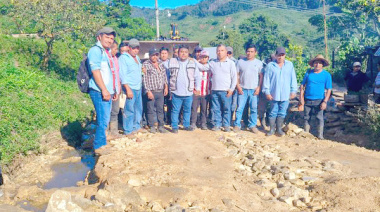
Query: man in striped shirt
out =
(156, 87)
(204, 97)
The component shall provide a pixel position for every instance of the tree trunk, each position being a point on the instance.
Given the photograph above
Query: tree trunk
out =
(45, 60)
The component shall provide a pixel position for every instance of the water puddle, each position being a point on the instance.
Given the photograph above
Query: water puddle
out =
(26, 205)
(68, 174)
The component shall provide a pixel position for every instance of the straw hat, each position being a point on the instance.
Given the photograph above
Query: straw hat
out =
(319, 58)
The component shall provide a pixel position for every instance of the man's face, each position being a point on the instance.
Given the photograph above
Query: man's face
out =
(221, 51)
(357, 68)
(183, 54)
(154, 58)
(133, 51)
(106, 40)
(251, 53)
(114, 49)
(280, 58)
(124, 49)
(164, 55)
(229, 54)
(203, 60)
(197, 53)
(318, 65)
(175, 54)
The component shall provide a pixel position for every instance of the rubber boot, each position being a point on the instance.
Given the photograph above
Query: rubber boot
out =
(263, 123)
(272, 122)
(113, 131)
(279, 124)
(320, 132)
(306, 127)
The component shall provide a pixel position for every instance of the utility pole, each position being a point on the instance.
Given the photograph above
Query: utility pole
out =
(157, 22)
(325, 25)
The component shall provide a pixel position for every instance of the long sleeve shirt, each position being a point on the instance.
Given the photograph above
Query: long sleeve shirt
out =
(224, 75)
(204, 70)
(130, 71)
(154, 79)
(183, 80)
(280, 82)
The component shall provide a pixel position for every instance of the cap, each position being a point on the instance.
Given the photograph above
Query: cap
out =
(198, 48)
(106, 30)
(229, 49)
(153, 51)
(280, 50)
(357, 64)
(133, 43)
(204, 53)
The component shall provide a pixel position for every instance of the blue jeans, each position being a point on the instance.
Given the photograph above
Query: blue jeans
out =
(103, 115)
(249, 96)
(177, 102)
(132, 116)
(278, 109)
(221, 107)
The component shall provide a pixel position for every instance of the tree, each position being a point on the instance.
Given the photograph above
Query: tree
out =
(230, 37)
(264, 33)
(58, 20)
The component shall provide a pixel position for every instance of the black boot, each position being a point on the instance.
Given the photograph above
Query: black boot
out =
(279, 124)
(272, 122)
(320, 132)
(263, 123)
(306, 127)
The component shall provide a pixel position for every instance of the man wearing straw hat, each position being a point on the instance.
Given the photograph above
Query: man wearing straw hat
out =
(315, 92)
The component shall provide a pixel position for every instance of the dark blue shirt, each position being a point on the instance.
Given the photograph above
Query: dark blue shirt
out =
(316, 84)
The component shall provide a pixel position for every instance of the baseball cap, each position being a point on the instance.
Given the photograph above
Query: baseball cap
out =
(280, 50)
(106, 30)
(204, 53)
(198, 48)
(357, 64)
(153, 51)
(229, 49)
(133, 43)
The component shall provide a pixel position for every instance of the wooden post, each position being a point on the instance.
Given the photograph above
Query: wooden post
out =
(325, 24)
(157, 22)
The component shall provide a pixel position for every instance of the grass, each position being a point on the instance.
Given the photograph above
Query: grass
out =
(33, 102)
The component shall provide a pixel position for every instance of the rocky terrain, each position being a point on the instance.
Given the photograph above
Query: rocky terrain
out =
(203, 171)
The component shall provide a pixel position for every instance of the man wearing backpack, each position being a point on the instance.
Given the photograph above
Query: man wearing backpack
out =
(103, 83)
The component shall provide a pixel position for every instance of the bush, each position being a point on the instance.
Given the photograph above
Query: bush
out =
(371, 123)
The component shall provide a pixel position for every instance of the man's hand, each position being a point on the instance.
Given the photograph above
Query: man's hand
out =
(240, 90)
(143, 69)
(301, 107)
(115, 97)
(166, 91)
(323, 105)
(129, 93)
(150, 95)
(269, 97)
(292, 95)
(229, 93)
(106, 95)
(257, 91)
(197, 93)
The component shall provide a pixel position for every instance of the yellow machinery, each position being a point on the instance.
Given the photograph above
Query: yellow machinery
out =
(174, 33)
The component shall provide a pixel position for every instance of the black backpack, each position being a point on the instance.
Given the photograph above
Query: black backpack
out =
(83, 75)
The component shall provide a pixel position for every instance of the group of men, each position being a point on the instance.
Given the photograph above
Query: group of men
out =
(188, 84)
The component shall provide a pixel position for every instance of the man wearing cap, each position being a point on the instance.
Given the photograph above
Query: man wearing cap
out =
(103, 83)
(250, 79)
(315, 91)
(224, 81)
(355, 79)
(156, 87)
(280, 85)
(202, 100)
(131, 79)
(197, 52)
(184, 82)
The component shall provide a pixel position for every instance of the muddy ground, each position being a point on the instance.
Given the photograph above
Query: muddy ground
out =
(199, 171)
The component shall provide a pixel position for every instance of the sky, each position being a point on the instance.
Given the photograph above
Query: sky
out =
(162, 3)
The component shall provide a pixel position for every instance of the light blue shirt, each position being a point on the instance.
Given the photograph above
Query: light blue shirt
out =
(130, 71)
(183, 80)
(98, 60)
(280, 82)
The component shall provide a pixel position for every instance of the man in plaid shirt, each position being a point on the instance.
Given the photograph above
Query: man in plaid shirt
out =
(203, 99)
(155, 83)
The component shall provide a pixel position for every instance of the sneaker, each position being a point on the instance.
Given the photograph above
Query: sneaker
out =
(204, 127)
(152, 130)
(215, 129)
(236, 129)
(254, 130)
(189, 128)
(162, 130)
(175, 131)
